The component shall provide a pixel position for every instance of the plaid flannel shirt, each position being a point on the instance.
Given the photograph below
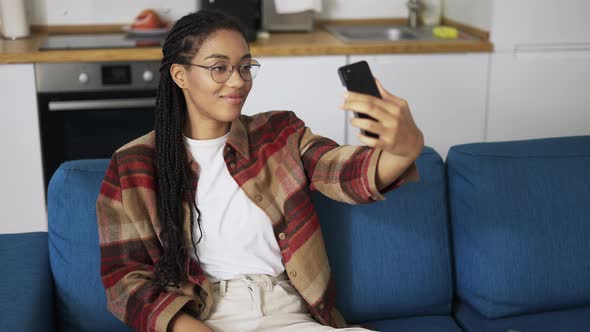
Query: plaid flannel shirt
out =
(277, 161)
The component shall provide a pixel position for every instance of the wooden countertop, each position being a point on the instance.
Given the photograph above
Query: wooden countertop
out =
(319, 42)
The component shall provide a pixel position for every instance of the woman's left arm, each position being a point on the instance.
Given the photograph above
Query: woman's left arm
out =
(399, 137)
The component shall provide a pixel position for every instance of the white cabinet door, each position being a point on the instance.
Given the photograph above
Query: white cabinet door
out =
(538, 94)
(22, 202)
(533, 22)
(309, 86)
(446, 93)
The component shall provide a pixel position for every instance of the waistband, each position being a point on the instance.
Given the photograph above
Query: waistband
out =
(261, 281)
(253, 278)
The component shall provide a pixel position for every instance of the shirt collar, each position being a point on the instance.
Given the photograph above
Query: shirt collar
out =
(238, 138)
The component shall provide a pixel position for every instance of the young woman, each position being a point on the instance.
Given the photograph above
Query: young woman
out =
(207, 224)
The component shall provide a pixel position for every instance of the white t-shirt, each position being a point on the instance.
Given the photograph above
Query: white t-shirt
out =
(238, 237)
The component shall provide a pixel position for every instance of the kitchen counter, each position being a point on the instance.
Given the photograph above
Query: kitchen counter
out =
(319, 42)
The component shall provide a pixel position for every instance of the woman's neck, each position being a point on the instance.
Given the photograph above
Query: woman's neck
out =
(206, 130)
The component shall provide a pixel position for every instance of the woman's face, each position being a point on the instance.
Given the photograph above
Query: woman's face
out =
(210, 103)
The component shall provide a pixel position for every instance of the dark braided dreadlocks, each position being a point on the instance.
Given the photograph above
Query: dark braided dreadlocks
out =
(173, 172)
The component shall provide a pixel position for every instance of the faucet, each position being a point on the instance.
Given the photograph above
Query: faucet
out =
(414, 7)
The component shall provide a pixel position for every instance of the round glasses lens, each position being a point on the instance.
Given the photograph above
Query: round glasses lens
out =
(221, 72)
(249, 71)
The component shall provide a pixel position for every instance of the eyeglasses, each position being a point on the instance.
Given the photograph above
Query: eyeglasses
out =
(222, 71)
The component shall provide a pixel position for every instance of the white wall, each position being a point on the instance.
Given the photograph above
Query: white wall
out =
(477, 13)
(64, 12)
(539, 23)
(67, 12)
(343, 9)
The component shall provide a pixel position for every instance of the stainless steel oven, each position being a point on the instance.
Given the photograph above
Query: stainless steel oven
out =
(88, 110)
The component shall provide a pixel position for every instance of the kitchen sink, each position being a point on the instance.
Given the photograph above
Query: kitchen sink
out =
(379, 33)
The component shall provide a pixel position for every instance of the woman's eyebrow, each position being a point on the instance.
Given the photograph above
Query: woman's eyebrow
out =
(225, 57)
(217, 56)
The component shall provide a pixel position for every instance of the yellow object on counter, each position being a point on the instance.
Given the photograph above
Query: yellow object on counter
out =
(444, 32)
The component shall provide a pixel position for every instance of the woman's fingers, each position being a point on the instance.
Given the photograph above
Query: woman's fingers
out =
(368, 141)
(366, 109)
(388, 95)
(361, 97)
(391, 120)
(374, 107)
(369, 125)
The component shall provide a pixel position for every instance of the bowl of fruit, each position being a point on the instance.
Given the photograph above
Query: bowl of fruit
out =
(147, 23)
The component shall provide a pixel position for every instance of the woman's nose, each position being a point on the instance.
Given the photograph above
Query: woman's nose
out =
(235, 80)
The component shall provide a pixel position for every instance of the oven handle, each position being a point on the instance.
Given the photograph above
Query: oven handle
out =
(81, 105)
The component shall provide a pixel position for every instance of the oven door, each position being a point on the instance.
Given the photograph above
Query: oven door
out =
(89, 125)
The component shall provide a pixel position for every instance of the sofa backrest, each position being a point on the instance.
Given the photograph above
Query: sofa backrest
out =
(26, 287)
(520, 214)
(74, 252)
(389, 259)
(392, 258)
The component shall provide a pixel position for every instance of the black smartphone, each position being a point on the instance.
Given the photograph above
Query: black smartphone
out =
(357, 77)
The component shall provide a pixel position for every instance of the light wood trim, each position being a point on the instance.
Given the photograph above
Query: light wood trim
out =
(479, 33)
(398, 48)
(77, 29)
(98, 55)
(319, 42)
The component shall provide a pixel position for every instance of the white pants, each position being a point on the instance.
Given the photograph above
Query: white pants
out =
(262, 303)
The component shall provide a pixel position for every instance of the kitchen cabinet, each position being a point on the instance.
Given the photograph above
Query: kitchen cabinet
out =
(307, 85)
(539, 93)
(525, 22)
(22, 202)
(539, 72)
(537, 22)
(446, 93)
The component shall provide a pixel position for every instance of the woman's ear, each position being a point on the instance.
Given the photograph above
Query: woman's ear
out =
(178, 74)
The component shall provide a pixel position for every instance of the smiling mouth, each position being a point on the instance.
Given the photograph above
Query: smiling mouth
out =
(233, 99)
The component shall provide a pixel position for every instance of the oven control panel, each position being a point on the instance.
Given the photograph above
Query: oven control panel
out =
(92, 76)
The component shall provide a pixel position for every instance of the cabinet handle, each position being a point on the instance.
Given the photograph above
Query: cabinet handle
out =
(101, 104)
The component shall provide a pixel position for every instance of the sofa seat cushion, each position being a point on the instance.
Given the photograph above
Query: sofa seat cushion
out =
(417, 324)
(26, 286)
(392, 258)
(73, 248)
(520, 217)
(573, 320)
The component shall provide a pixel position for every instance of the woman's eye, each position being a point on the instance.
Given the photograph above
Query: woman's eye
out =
(220, 68)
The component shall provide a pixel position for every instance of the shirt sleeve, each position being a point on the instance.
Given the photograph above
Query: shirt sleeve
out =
(345, 173)
(127, 264)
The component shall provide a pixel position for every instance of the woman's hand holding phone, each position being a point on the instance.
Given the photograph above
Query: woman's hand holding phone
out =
(391, 121)
(397, 134)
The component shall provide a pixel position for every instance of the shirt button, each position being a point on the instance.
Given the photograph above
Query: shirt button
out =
(228, 148)
(282, 236)
(321, 306)
(293, 273)
(232, 165)
(258, 198)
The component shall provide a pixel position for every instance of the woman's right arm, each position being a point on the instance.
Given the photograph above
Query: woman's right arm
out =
(128, 253)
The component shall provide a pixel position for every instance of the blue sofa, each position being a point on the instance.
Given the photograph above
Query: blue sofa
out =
(495, 239)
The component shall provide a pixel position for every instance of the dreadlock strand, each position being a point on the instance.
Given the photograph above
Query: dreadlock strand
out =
(174, 175)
